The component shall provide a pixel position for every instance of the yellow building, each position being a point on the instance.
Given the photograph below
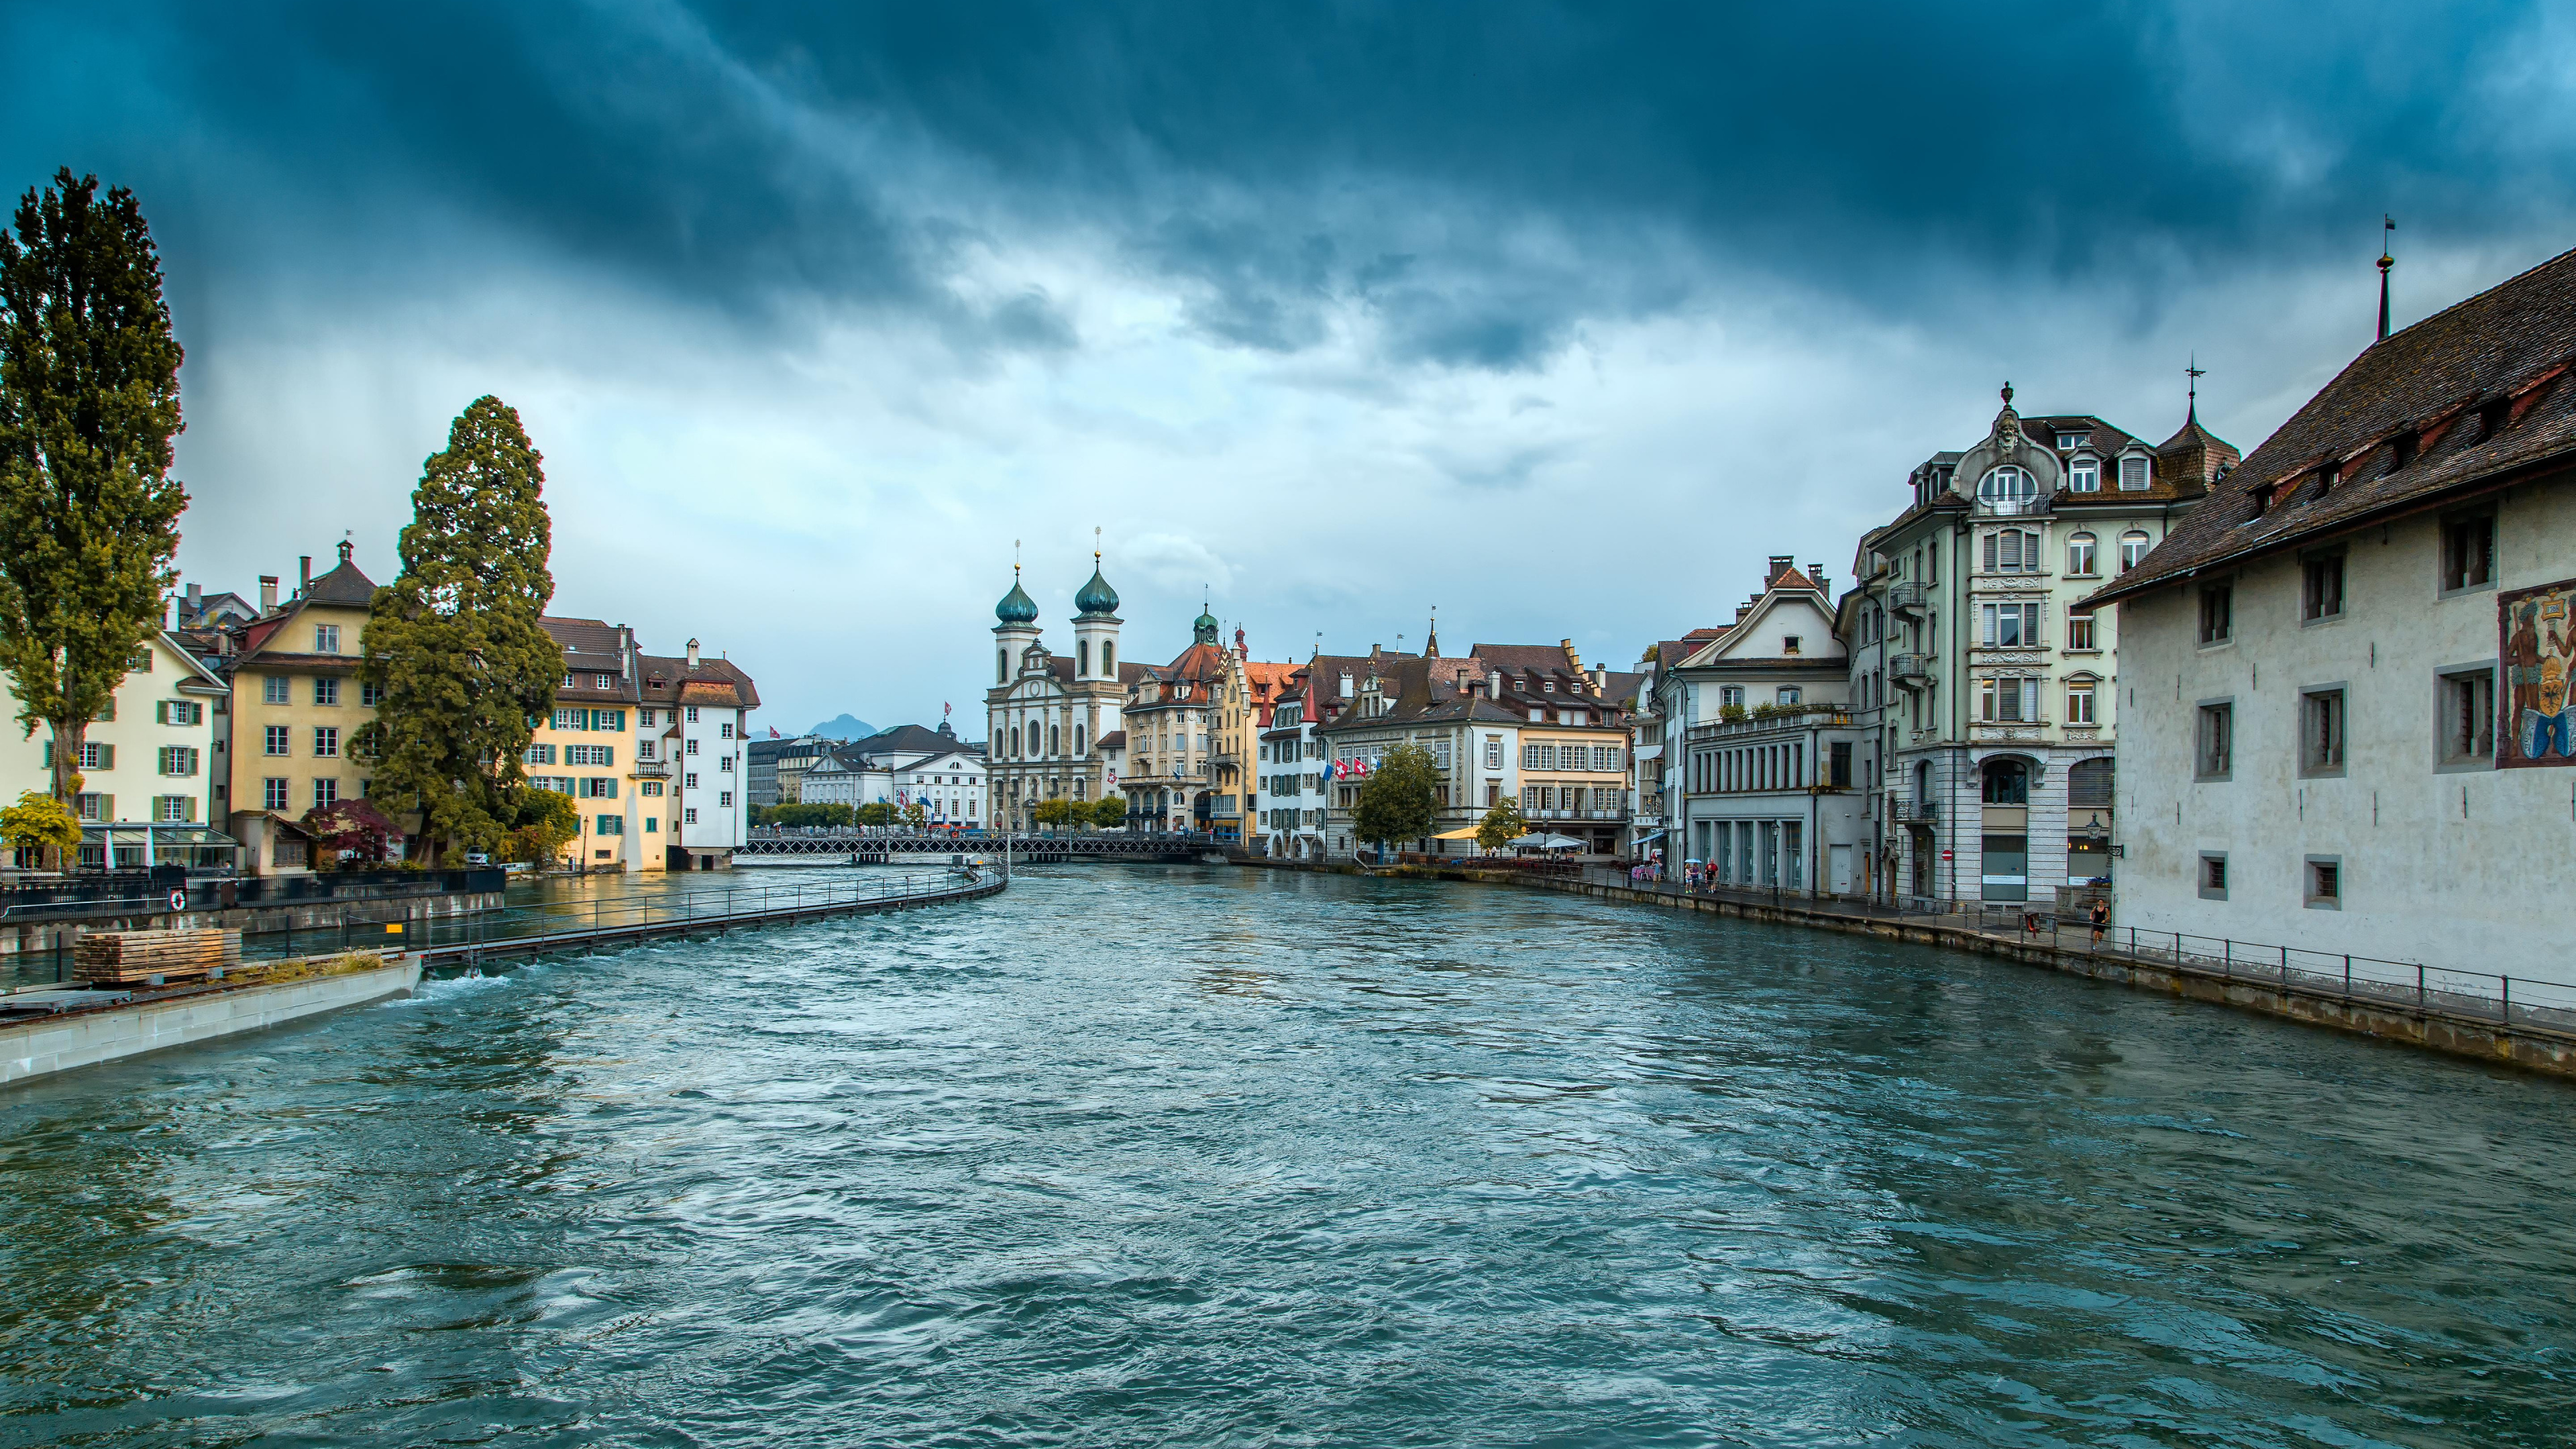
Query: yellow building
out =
(604, 746)
(297, 704)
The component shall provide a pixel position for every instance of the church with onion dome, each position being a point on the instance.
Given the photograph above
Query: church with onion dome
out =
(1054, 719)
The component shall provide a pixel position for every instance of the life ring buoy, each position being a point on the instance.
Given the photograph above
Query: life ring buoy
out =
(178, 900)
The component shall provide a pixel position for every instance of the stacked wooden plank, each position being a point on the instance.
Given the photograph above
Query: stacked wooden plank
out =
(125, 957)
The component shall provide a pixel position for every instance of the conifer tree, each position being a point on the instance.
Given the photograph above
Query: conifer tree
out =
(89, 401)
(1400, 799)
(453, 643)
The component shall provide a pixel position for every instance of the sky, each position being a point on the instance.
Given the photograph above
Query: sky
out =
(1555, 318)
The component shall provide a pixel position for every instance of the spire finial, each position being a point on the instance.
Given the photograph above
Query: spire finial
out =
(1095, 546)
(1015, 560)
(2191, 390)
(2387, 259)
(2007, 394)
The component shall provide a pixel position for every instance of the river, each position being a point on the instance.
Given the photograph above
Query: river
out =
(1139, 1155)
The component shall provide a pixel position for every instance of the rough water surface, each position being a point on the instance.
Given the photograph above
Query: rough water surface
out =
(1198, 1156)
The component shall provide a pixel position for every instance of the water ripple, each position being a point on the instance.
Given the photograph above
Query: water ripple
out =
(1192, 1156)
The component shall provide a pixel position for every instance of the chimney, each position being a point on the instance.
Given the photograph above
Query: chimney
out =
(1816, 571)
(625, 650)
(267, 594)
(1781, 563)
(693, 654)
(196, 597)
(303, 574)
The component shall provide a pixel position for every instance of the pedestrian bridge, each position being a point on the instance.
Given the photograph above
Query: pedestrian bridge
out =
(856, 847)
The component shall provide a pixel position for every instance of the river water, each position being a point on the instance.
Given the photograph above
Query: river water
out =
(1200, 1156)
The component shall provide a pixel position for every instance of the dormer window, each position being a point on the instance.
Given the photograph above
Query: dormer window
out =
(2008, 490)
(1547, 686)
(1789, 643)
(2133, 474)
(2068, 442)
(2084, 475)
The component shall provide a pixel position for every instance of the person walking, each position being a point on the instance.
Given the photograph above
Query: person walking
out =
(2101, 918)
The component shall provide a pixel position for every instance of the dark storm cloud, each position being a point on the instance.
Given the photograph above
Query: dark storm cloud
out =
(1271, 162)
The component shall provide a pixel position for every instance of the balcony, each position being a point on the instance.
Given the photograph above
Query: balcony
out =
(1910, 666)
(1915, 812)
(1791, 717)
(1909, 598)
(652, 769)
(1600, 815)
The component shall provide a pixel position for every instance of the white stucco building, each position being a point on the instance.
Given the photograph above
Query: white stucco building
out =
(2346, 677)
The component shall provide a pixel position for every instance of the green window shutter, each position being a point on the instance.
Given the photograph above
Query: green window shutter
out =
(107, 808)
(49, 754)
(107, 757)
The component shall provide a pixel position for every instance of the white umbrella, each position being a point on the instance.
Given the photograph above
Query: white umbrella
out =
(1547, 842)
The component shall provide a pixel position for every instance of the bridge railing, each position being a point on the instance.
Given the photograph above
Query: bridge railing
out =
(569, 922)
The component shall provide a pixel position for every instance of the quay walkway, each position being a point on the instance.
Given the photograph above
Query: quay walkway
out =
(2496, 1018)
(818, 845)
(552, 928)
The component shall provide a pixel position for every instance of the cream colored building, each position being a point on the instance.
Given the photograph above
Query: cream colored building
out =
(297, 704)
(148, 767)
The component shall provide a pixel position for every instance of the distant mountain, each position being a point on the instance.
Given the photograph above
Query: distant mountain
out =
(846, 727)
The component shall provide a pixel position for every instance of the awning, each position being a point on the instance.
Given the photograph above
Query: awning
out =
(1467, 833)
(1650, 837)
(131, 832)
(1547, 842)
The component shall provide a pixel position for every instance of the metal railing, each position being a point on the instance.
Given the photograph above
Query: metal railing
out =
(2484, 996)
(566, 924)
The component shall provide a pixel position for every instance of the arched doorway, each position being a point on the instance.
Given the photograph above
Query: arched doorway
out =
(2004, 859)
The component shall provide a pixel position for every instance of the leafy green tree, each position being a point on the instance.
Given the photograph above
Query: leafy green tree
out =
(545, 821)
(877, 813)
(1501, 826)
(1059, 811)
(453, 642)
(1109, 812)
(915, 815)
(353, 825)
(1400, 799)
(89, 401)
(41, 822)
(799, 816)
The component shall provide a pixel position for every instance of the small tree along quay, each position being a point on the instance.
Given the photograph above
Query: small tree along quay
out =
(1109, 811)
(547, 821)
(1400, 799)
(1501, 826)
(89, 401)
(40, 822)
(453, 644)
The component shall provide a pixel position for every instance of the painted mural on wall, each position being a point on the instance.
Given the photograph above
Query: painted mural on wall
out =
(2539, 655)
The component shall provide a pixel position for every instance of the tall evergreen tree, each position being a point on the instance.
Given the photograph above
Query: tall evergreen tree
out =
(453, 644)
(89, 401)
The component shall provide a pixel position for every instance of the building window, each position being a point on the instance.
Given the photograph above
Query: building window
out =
(2321, 732)
(2468, 553)
(538, 755)
(370, 695)
(2012, 551)
(2079, 629)
(689, 748)
(1730, 694)
(2007, 490)
(178, 760)
(2006, 782)
(724, 799)
(2133, 549)
(276, 739)
(2079, 555)
(724, 731)
(2325, 883)
(326, 793)
(688, 782)
(2010, 626)
(2321, 588)
(2213, 875)
(179, 712)
(611, 825)
(1493, 752)
(326, 741)
(272, 793)
(326, 638)
(2133, 474)
(1790, 694)
(693, 714)
(272, 689)
(2217, 614)
(174, 809)
(2008, 701)
(2079, 703)
(326, 691)
(689, 815)
(603, 681)
(2214, 752)
(2467, 704)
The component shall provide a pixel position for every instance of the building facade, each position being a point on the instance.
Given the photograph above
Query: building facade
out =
(2347, 674)
(1767, 795)
(296, 705)
(148, 766)
(1170, 720)
(1996, 742)
(698, 712)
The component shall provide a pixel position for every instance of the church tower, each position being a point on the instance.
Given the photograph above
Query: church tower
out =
(1017, 631)
(1095, 628)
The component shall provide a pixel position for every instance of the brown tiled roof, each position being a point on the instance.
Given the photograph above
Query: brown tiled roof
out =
(343, 585)
(1114, 740)
(2500, 356)
(719, 675)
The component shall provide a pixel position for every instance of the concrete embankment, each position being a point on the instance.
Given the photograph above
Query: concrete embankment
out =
(2427, 1024)
(80, 1038)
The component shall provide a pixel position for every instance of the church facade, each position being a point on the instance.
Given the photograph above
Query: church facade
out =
(1047, 713)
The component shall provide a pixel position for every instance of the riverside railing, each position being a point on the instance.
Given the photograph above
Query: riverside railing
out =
(377, 926)
(2483, 996)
